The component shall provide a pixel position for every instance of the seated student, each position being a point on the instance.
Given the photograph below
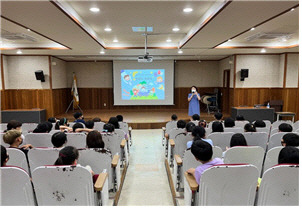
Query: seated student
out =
(80, 127)
(59, 139)
(120, 118)
(42, 128)
(237, 140)
(49, 125)
(203, 153)
(189, 127)
(218, 116)
(4, 156)
(195, 117)
(14, 139)
(217, 127)
(181, 124)
(94, 140)
(13, 124)
(63, 125)
(249, 128)
(97, 119)
(290, 139)
(114, 121)
(240, 118)
(229, 122)
(174, 117)
(259, 124)
(198, 133)
(202, 123)
(89, 124)
(289, 155)
(108, 127)
(79, 117)
(285, 127)
(52, 120)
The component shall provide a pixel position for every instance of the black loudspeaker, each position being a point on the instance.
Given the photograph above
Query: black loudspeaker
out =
(244, 74)
(40, 75)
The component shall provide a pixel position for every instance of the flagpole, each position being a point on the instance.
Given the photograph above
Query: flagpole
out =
(74, 92)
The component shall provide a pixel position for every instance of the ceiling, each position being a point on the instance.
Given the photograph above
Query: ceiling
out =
(69, 30)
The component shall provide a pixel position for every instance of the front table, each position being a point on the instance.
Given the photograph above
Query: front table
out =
(251, 113)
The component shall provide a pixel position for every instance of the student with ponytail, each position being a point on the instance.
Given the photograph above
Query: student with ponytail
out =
(198, 133)
(62, 125)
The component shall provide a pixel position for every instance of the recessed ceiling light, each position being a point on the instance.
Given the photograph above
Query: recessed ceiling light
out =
(187, 10)
(292, 9)
(28, 30)
(175, 29)
(180, 51)
(107, 29)
(94, 9)
(115, 40)
(19, 52)
(102, 52)
(169, 40)
(284, 39)
(229, 40)
(252, 28)
(263, 50)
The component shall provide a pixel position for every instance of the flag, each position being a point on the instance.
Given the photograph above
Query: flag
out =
(74, 92)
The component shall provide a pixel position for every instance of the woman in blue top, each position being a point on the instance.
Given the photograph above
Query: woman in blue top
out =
(194, 99)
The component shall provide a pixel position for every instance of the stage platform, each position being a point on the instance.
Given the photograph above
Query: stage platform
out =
(139, 119)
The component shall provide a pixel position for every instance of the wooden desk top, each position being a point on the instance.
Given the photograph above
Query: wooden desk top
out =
(34, 109)
(286, 113)
(262, 107)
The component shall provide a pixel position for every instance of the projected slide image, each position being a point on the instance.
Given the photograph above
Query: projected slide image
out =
(143, 84)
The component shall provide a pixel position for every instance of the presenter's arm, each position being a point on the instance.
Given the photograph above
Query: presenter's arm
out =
(190, 98)
(198, 97)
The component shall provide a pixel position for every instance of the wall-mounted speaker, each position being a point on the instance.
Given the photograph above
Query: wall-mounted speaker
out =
(40, 75)
(244, 73)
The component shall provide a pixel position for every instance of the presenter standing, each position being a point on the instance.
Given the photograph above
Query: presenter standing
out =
(193, 99)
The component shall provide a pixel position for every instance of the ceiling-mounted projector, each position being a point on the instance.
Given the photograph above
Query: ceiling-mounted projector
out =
(145, 59)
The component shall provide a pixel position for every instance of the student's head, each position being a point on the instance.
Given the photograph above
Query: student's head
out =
(89, 124)
(42, 128)
(239, 118)
(94, 140)
(58, 139)
(78, 115)
(289, 155)
(218, 116)
(13, 137)
(174, 117)
(68, 156)
(259, 124)
(249, 128)
(49, 126)
(114, 122)
(202, 123)
(202, 151)
(61, 122)
(194, 89)
(238, 140)
(229, 122)
(96, 119)
(198, 132)
(189, 126)
(196, 117)
(217, 126)
(13, 124)
(77, 125)
(290, 139)
(181, 124)
(120, 118)
(4, 156)
(52, 120)
(108, 127)
(285, 127)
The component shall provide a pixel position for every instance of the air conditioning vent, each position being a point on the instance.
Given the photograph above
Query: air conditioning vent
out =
(18, 36)
(268, 36)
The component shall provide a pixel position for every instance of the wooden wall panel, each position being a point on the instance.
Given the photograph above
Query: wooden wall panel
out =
(61, 100)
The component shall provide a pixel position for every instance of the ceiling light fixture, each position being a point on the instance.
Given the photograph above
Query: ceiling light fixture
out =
(263, 50)
(28, 30)
(102, 52)
(187, 10)
(169, 40)
(252, 28)
(292, 9)
(180, 51)
(175, 29)
(94, 9)
(19, 52)
(107, 29)
(229, 40)
(115, 40)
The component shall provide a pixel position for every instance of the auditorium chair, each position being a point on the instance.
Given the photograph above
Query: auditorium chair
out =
(17, 158)
(54, 131)
(99, 161)
(234, 130)
(172, 135)
(264, 129)
(69, 185)
(121, 133)
(169, 126)
(38, 139)
(276, 124)
(99, 126)
(16, 187)
(221, 139)
(116, 145)
(296, 126)
(195, 122)
(222, 185)
(256, 139)
(125, 127)
(241, 124)
(280, 186)
(208, 131)
(182, 164)
(2, 142)
(3, 127)
(245, 154)
(28, 127)
(275, 140)
(42, 156)
(179, 145)
(71, 124)
(271, 158)
(77, 140)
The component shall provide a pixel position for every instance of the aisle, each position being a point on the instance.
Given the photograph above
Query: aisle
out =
(146, 181)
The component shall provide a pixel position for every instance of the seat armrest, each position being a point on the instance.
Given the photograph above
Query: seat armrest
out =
(172, 142)
(123, 143)
(115, 161)
(99, 184)
(178, 160)
(191, 181)
(130, 128)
